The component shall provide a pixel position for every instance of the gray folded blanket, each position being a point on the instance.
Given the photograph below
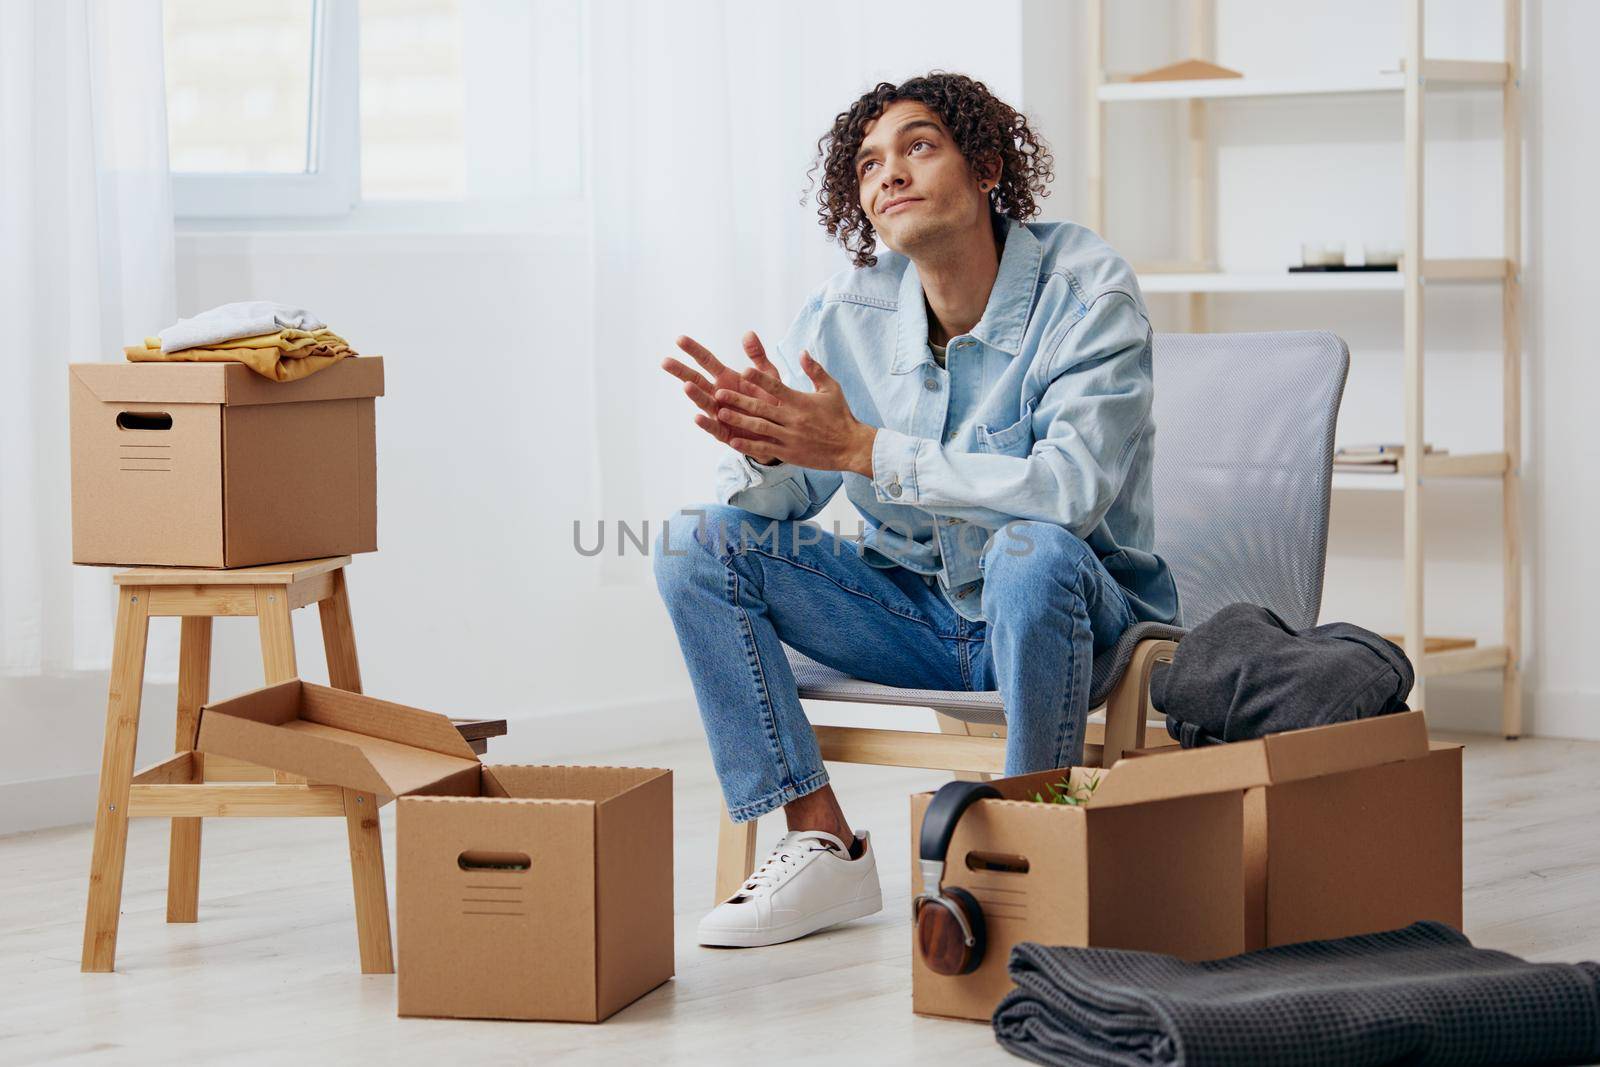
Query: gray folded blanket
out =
(1418, 995)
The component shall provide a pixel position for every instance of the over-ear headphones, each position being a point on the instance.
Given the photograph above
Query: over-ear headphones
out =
(950, 928)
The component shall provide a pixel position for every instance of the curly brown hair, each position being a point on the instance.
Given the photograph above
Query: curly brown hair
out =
(984, 127)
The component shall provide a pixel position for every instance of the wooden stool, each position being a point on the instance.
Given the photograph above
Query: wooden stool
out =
(181, 788)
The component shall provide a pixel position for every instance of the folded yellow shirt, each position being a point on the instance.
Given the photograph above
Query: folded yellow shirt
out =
(284, 356)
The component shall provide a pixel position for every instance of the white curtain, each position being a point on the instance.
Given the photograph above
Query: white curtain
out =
(705, 117)
(86, 266)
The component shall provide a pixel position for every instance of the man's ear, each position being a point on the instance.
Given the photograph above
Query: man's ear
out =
(988, 171)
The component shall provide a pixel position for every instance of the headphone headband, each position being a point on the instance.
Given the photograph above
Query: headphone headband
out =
(939, 823)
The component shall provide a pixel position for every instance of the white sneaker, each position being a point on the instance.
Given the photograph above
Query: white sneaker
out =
(807, 883)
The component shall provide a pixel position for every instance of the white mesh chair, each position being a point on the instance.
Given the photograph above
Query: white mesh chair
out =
(1243, 468)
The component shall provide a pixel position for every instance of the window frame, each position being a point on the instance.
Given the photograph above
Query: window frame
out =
(331, 185)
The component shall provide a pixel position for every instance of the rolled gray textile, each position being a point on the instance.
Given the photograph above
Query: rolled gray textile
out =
(1418, 995)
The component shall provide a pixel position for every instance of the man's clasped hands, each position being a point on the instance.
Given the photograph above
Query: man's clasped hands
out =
(755, 413)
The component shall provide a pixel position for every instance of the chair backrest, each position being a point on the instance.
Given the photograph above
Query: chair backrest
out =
(1244, 465)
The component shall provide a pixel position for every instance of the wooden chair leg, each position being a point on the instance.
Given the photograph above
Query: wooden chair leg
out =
(736, 855)
(361, 809)
(339, 637)
(949, 724)
(277, 633)
(274, 617)
(194, 688)
(116, 774)
(371, 891)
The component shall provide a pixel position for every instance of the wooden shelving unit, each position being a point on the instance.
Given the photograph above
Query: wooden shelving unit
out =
(1198, 275)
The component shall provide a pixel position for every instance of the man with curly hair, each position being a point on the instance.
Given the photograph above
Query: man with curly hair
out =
(982, 391)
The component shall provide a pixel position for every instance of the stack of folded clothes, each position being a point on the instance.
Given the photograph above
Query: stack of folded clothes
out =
(274, 340)
(1421, 994)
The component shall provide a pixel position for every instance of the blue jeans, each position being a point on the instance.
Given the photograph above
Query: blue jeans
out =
(734, 591)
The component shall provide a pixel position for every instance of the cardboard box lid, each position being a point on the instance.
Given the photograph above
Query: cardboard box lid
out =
(231, 384)
(1275, 759)
(338, 738)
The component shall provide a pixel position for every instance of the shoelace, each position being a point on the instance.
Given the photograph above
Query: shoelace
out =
(784, 858)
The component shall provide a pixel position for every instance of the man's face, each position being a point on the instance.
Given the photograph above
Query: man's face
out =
(914, 185)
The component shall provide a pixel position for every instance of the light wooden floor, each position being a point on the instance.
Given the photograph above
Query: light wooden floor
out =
(270, 971)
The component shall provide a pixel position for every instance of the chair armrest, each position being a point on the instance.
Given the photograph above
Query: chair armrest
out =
(1128, 704)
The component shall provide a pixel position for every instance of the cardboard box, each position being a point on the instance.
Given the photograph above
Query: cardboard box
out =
(1353, 838)
(521, 892)
(1153, 861)
(1351, 829)
(212, 465)
(1338, 830)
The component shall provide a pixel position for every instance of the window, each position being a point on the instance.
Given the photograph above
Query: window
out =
(300, 108)
(261, 106)
(239, 86)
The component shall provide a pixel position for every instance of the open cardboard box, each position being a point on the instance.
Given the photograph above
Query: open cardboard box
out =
(1349, 829)
(521, 892)
(1208, 852)
(1356, 829)
(213, 465)
(1151, 861)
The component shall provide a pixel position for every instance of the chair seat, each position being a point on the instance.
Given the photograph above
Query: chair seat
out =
(818, 681)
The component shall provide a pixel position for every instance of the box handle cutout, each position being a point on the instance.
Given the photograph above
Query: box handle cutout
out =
(1000, 862)
(144, 420)
(478, 860)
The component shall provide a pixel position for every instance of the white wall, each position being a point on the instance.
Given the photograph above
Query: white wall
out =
(477, 603)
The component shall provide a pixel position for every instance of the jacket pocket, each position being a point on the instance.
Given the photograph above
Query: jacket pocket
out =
(1013, 440)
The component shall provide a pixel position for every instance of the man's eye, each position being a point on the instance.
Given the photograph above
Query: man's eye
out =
(922, 143)
(865, 166)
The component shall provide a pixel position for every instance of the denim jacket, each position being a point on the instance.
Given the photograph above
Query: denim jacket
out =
(1042, 413)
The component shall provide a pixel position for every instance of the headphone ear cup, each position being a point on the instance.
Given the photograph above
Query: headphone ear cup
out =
(974, 912)
(940, 938)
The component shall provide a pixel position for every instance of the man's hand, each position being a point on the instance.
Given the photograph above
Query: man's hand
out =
(702, 391)
(815, 430)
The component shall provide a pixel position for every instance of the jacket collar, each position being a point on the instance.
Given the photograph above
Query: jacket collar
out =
(1004, 319)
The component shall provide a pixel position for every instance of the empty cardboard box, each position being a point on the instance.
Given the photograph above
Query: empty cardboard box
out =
(213, 465)
(521, 892)
(1339, 830)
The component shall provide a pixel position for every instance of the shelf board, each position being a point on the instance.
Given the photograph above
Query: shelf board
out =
(1465, 270)
(1464, 465)
(1388, 481)
(1436, 73)
(1215, 88)
(1449, 465)
(1461, 660)
(1463, 73)
(1435, 643)
(1271, 282)
(1355, 281)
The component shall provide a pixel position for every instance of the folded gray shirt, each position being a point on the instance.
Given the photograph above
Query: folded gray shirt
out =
(246, 318)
